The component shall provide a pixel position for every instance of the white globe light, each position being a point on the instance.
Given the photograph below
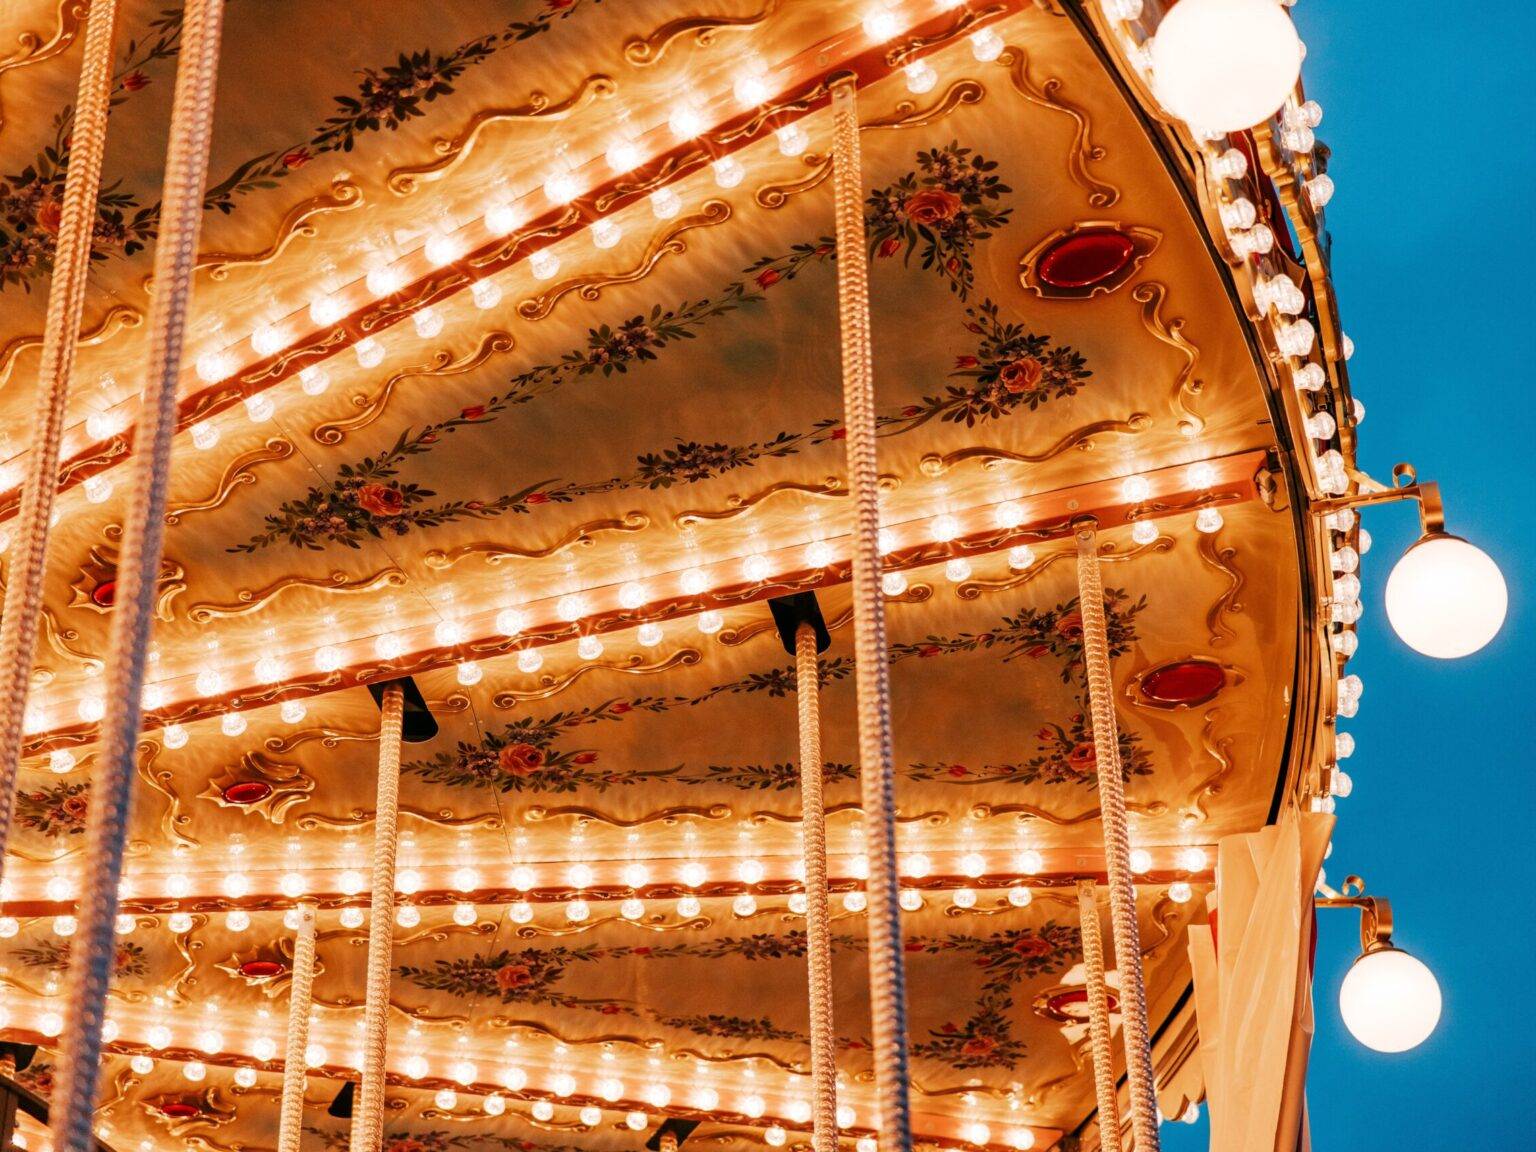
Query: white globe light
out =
(1225, 65)
(1446, 598)
(1390, 1001)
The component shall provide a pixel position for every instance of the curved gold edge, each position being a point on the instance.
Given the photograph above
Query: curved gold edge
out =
(590, 287)
(494, 553)
(241, 470)
(186, 947)
(583, 815)
(1162, 915)
(933, 819)
(343, 197)
(1032, 812)
(829, 489)
(535, 931)
(1219, 749)
(1108, 554)
(1222, 560)
(965, 20)
(1150, 295)
(347, 1004)
(510, 1024)
(1081, 439)
(255, 600)
(442, 818)
(328, 738)
(442, 364)
(453, 151)
(634, 665)
(1144, 242)
(114, 320)
(1083, 151)
(173, 819)
(358, 937)
(643, 51)
(35, 50)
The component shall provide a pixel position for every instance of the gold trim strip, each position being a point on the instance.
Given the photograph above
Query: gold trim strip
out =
(1080, 438)
(497, 553)
(1031, 812)
(1222, 560)
(1083, 151)
(829, 489)
(1150, 295)
(583, 816)
(35, 50)
(633, 665)
(442, 818)
(249, 600)
(643, 51)
(343, 197)
(114, 320)
(241, 470)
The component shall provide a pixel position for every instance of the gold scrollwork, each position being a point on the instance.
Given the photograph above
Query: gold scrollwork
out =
(35, 50)
(534, 931)
(286, 786)
(114, 320)
(1048, 95)
(590, 287)
(581, 535)
(343, 197)
(254, 600)
(174, 819)
(568, 219)
(58, 638)
(1164, 913)
(442, 364)
(451, 151)
(778, 194)
(749, 631)
(347, 1004)
(973, 589)
(999, 907)
(666, 816)
(1032, 812)
(906, 50)
(1219, 749)
(241, 470)
(1150, 295)
(933, 819)
(442, 818)
(634, 665)
(643, 51)
(187, 948)
(328, 738)
(1222, 560)
(1080, 438)
(831, 488)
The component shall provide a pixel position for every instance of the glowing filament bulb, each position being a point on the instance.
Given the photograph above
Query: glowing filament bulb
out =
(1141, 861)
(61, 760)
(428, 322)
(728, 172)
(893, 583)
(268, 338)
(570, 608)
(1202, 475)
(441, 248)
(486, 294)
(710, 622)
(957, 570)
(622, 156)
(818, 554)
(98, 489)
(215, 366)
(561, 188)
(880, 23)
(792, 140)
(369, 352)
(920, 77)
(649, 635)
(204, 435)
(1208, 520)
(529, 660)
(665, 204)
(326, 310)
(606, 233)
(686, 121)
(509, 622)
(1144, 532)
(986, 45)
(1020, 557)
(175, 736)
(632, 908)
(408, 916)
(385, 280)
(589, 647)
(388, 646)
(292, 711)
(314, 380)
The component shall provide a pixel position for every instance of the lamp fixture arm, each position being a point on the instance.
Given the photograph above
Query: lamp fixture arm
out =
(1405, 486)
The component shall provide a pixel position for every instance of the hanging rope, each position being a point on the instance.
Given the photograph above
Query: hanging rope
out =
(818, 924)
(93, 949)
(66, 301)
(300, 990)
(1117, 845)
(1098, 1018)
(368, 1123)
(877, 775)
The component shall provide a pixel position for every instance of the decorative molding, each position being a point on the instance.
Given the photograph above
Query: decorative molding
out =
(451, 151)
(973, 589)
(249, 600)
(1219, 749)
(831, 488)
(1083, 152)
(590, 287)
(173, 819)
(583, 816)
(114, 320)
(1031, 812)
(240, 470)
(535, 931)
(643, 51)
(34, 49)
(288, 785)
(1081, 438)
(328, 738)
(1144, 242)
(442, 818)
(495, 553)
(633, 665)
(1150, 295)
(343, 197)
(966, 21)
(1222, 560)
(442, 364)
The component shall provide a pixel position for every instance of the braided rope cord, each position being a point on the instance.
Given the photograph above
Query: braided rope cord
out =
(818, 923)
(1098, 1017)
(92, 952)
(368, 1123)
(300, 993)
(66, 301)
(1117, 846)
(877, 775)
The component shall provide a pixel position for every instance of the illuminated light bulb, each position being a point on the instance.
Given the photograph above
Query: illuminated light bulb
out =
(710, 622)
(104, 425)
(893, 583)
(706, 1099)
(326, 310)
(792, 140)
(622, 156)
(91, 709)
(514, 1079)
(408, 882)
(855, 901)
(1296, 337)
(245, 1077)
(236, 885)
(1343, 784)
(753, 1106)
(1446, 598)
(238, 920)
(9, 926)
(494, 1105)
(606, 233)
(1225, 65)
(1279, 293)
(350, 882)
(562, 1084)
(880, 23)
(407, 916)
(964, 897)
(1356, 410)
(352, 917)
(945, 528)
(1021, 1138)
(798, 903)
(750, 88)
(465, 1072)
(1141, 860)
(636, 875)
(428, 322)
(610, 1089)
(570, 608)
(215, 366)
(327, 659)
(510, 621)
(1193, 859)
(210, 1041)
(369, 352)
(561, 188)
(98, 489)
(209, 682)
(728, 172)
(1390, 1000)
(693, 581)
(124, 924)
(61, 760)
(756, 568)
(1136, 489)
(665, 204)
(1345, 643)
(501, 218)
(448, 633)
(1239, 214)
(686, 121)
(978, 1133)
(195, 1071)
(920, 77)
(589, 647)
(204, 435)
(469, 673)
(466, 879)
(268, 670)
(688, 907)
(58, 888)
(973, 864)
(388, 646)
(1298, 138)
(648, 635)
(580, 876)
(818, 554)
(751, 871)
(591, 1115)
(1309, 377)
(522, 878)
(292, 711)
(486, 294)
(632, 908)
(1343, 745)
(577, 910)
(268, 338)
(446, 1099)
(142, 1065)
(986, 45)
(1144, 532)
(1180, 892)
(292, 885)
(1320, 190)
(635, 1121)
(693, 873)
(232, 724)
(917, 865)
(744, 905)
(441, 248)
(1208, 520)
(846, 1116)
(385, 280)
(1020, 897)
(1020, 557)
(1256, 241)
(521, 912)
(416, 1067)
(158, 1036)
(543, 1110)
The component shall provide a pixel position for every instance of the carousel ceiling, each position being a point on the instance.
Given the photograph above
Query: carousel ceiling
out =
(514, 367)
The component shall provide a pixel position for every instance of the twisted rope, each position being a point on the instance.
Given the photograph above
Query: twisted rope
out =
(66, 301)
(368, 1123)
(300, 991)
(818, 923)
(91, 956)
(877, 775)
(1117, 846)
(1098, 1017)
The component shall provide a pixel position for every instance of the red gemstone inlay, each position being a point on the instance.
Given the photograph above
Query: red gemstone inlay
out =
(247, 792)
(261, 969)
(1184, 682)
(180, 1110)
(104, 595)
(1086, 259)
(1073, 1004)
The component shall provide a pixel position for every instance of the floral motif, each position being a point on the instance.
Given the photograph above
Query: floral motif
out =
(1011, 955)
(54, 810)
(37, 1077)
(740, 1028)
(53, 956)
(524, 975)
(1065, 754)
(986, 1040)
(944, 208)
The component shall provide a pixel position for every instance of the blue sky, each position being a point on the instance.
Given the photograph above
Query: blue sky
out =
(1428, 108)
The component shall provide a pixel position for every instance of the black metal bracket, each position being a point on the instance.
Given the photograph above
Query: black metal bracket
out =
(418, 725)
(341, 1106)
(789, 612)
(680, 1128)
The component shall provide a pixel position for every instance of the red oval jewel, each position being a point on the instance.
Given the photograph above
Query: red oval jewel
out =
(1085, 259)
(1073, 1003)
(261, 969)
(180, 1110)
(247, 792)
(1184, 682)
(104, 595)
